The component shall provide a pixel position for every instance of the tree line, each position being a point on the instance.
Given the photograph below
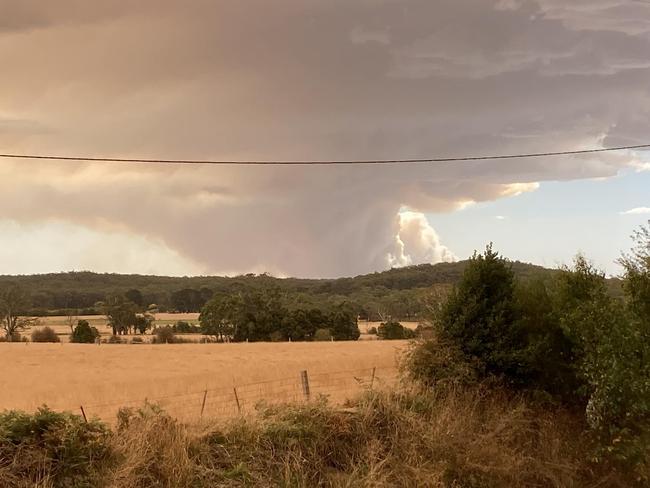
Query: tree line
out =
(396, 293)
(261, 315)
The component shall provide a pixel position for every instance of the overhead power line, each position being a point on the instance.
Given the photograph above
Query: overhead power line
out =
(321, 162)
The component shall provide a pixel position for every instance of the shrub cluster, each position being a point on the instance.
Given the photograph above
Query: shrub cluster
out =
(164, 335)
(471, 438)
(45, 334)
(393, 330)
(183, 327)
(565, 337)
(51, 449)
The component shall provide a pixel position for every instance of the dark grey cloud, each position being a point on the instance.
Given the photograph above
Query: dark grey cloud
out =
(309, 80)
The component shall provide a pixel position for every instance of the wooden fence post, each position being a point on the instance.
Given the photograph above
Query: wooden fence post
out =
(205, 395)
(372, 378)
(304, 379)
(234, 389)
(83, 413)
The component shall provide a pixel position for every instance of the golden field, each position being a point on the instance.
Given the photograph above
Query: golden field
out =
(104, 377)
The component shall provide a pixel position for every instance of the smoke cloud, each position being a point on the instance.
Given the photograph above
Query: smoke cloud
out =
(304, 80)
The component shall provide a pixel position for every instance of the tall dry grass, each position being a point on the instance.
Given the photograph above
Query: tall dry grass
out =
(476, 437)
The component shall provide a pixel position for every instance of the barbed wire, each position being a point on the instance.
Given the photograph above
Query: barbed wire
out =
(243, 398)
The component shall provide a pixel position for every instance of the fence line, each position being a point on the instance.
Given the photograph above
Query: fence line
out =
(336, 386)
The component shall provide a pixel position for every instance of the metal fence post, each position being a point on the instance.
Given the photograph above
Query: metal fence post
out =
(304, 379)
(205, 395)
(83, 413)
(234, 389)
(372, 378)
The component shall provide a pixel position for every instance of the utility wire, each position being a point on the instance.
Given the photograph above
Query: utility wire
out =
(321, 162)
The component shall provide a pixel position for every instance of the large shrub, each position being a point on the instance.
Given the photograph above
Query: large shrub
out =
(567, 337)
(84, 333)
(613, 357)
(45, 334)
(164, 335)
(393, 330)
(479, 316)
(183, 327)
(51, 449)
(322, 335)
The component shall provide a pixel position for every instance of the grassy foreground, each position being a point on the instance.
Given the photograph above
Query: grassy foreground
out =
(476, 437)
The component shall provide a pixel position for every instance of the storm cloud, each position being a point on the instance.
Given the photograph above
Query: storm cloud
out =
(307, 79)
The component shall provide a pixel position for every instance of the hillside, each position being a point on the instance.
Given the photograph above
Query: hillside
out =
(398, 287)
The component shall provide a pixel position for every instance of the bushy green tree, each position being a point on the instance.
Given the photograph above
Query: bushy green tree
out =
(83, 333)
(189, 300)
(256, 314)
(184, 327)
(480, 314)
(121, 314)
(567, 336)
(550, 351)
(636, 283)
(143, 322)
(216, 318)
(343, 324)
(614, 354)
(322, 335)
(135, 296)
(393, 330)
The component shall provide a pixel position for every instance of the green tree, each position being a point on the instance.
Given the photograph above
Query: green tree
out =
(83, 333)
(188, 300)
(121, 314)
(135, 296)
(256, 314)
(215, 318)
(393, 330)
(479, 316)
(343, 324)
(322, 335)
(636, 282)
(614, 359)
(143, 322)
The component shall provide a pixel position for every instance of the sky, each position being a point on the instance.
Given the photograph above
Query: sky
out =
(309, 79)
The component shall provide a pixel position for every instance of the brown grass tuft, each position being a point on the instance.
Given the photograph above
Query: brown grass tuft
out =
(470, 437)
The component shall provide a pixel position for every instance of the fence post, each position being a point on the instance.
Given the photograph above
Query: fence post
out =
(83, 413)
(205, 395)
(304, 379)
(234, 389)
(372, 378)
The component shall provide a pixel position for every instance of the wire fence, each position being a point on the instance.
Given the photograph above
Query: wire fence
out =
(336, 387)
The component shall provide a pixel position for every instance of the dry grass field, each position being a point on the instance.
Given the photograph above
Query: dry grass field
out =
(104, 377)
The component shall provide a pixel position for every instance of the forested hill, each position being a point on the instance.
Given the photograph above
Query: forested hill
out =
(399, 286)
